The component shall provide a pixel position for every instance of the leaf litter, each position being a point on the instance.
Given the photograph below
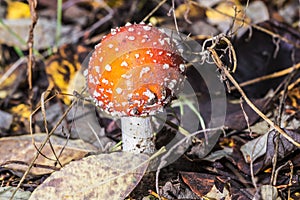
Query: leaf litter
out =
(103, 176)
(242, 167)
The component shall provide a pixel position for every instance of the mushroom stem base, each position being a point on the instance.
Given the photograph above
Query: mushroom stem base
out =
(137, 135)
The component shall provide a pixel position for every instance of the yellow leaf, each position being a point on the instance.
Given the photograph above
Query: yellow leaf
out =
(115, 3)
(189, 10)
(226, 11)
(6, 84)
(17, 10)
(22, 110)
(10, 79)
(294, 96)
(61, 69)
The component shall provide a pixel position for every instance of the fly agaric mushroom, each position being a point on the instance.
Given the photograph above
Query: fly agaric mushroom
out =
(133, 73)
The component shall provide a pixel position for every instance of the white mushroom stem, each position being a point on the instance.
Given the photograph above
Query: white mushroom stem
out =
(137, 135)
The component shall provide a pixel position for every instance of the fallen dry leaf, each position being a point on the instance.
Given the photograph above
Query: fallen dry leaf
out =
(199, 183)
(20, 148)
(17, 10)
(103, 176)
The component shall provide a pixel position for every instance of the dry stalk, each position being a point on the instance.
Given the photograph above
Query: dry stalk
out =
(278, 120)
(31, 62)
(31, 123)
(18, 162)
(41, 146)
(43, 109)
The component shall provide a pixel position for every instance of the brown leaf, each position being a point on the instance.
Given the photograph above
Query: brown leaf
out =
(222, 15)
(103, 176)
(200, 183)
(21, 149)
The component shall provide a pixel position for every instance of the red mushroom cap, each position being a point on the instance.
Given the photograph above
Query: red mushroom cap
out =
(134, 71)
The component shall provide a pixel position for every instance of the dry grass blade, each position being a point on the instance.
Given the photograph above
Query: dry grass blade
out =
(41, 147)
(46, 125)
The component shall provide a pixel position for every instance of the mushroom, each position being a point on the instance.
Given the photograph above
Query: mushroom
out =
(134, 72)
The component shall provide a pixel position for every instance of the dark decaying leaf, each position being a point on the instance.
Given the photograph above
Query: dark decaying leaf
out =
(207, 185)
(242, 193)
(259, 54)
(238, 160)
(200, 183)
(177, 190)
(285, 147)
(235, 118)
(103, 176)
(264, 159)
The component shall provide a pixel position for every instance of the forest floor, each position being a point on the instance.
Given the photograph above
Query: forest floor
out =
(233, 132)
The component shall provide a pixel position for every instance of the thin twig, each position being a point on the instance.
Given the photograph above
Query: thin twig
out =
(269, 76)
(40, 149)
(43, 109)
(278, 119)
(274, 160)
(18, 162)
(30, 42)
(174, 17)
(282, 166)
(221, 66)
(154, 10)
(292, 85)
(275, 35)
(31, 119)
(216, 40)
(246, 117)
